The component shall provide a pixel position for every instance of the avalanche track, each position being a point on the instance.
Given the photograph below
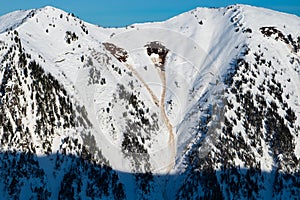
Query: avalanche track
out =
(161, 105)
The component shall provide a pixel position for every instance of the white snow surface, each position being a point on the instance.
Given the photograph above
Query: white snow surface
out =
(193, 65)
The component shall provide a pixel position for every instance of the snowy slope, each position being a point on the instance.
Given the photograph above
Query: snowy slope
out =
(205, 104)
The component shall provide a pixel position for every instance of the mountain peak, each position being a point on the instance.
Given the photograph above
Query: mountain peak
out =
(48, 7)
(51, 9)
(14, 19)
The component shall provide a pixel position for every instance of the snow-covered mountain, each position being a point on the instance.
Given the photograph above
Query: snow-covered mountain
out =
(204, 105)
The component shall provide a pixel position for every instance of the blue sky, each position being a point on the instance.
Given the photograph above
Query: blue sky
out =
(124, 12)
